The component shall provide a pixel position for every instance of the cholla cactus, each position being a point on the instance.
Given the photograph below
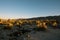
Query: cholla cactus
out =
(17, 23)
(44, 25)
(39, 23)
(54, 24)
(8, 26)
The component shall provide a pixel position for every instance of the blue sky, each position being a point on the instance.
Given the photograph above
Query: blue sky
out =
(29, 8)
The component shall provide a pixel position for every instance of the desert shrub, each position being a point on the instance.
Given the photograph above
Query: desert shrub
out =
(8, 26)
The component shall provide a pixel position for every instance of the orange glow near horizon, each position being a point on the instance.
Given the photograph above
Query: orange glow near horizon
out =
(13, 17)
(8, 18)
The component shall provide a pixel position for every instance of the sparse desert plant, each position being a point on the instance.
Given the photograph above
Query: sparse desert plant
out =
(8, 26)
(41, 25)
(44, 25)
(54, 24)
(17, 23)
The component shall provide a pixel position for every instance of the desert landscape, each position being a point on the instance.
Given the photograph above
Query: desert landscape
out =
(38, 28)
(29, 19)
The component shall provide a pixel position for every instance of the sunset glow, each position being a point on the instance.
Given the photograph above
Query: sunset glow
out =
(28, 8)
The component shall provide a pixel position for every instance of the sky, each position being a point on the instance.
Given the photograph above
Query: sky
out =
(29, 8)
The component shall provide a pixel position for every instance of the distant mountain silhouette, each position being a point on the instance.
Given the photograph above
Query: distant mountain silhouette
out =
(47, 17)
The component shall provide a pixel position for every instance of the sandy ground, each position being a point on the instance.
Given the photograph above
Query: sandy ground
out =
(50, 34)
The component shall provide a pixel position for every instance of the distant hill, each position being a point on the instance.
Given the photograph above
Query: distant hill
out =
(47, 17)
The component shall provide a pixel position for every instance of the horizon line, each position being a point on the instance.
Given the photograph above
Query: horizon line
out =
(25, 17)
